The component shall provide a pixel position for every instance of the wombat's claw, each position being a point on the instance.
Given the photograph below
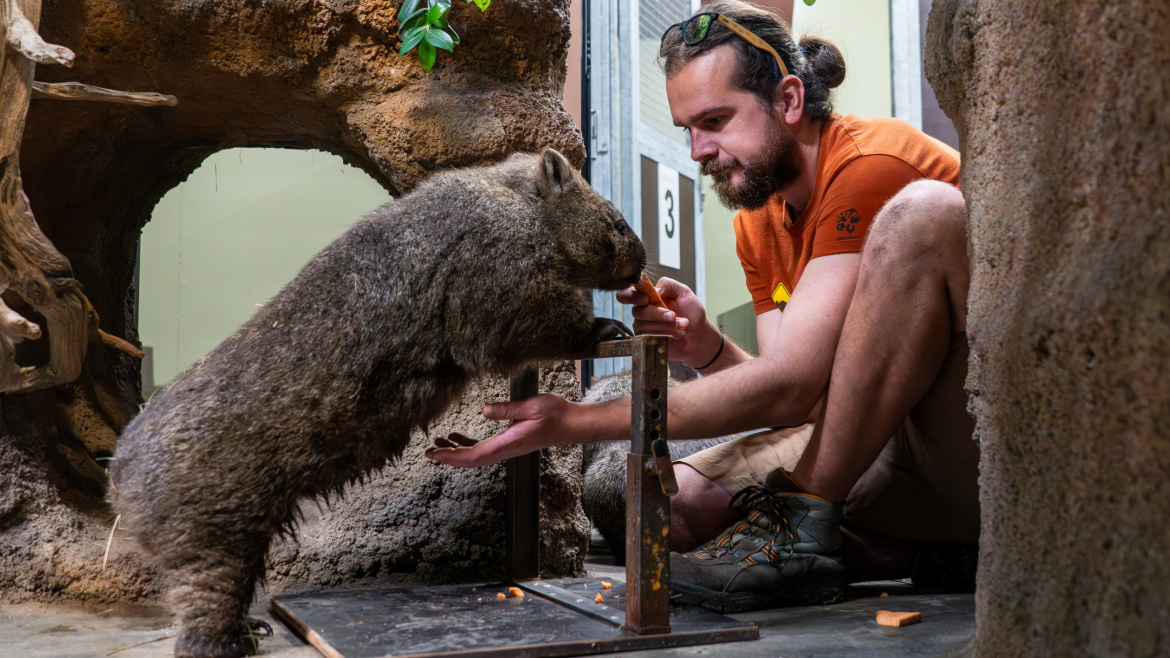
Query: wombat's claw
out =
(258, 626)
(610, 329)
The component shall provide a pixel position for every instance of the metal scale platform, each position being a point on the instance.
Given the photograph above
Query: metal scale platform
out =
(556, 617)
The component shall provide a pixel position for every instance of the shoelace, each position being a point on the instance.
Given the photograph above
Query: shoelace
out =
(763, 506)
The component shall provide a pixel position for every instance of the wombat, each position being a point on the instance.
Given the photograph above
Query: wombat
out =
(603, 492)
(477, 272)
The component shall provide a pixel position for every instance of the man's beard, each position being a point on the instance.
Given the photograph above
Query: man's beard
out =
(779, 166)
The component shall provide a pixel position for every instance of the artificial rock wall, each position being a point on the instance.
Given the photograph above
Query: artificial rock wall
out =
(298, 74)
(1064, 114)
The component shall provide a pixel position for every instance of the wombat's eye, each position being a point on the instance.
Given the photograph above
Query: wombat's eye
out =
(621, 225)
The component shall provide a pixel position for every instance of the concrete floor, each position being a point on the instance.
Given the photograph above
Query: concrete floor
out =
(845, 629)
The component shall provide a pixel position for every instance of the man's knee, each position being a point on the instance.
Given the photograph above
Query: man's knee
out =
(699, 511)
(925, 216)
(697, 494)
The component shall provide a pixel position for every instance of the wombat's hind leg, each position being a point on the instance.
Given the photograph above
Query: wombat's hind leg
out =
(211, 596)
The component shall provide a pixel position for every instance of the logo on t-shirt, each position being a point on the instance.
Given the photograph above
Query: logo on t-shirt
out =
(780, 296)
(847, 223)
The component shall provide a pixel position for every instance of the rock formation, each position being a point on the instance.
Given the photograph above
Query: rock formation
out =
(301, 74)
(1064, 115)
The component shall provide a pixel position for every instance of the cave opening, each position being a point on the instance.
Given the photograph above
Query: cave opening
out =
(225, 240)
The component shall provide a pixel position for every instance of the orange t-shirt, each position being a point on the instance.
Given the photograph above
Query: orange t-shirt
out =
(862, 163)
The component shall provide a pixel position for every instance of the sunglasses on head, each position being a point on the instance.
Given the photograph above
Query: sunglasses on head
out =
(695, 29)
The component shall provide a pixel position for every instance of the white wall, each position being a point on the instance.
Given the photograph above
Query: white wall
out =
(231, 236)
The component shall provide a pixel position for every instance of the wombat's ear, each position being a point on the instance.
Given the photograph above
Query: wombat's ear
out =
(554, 174)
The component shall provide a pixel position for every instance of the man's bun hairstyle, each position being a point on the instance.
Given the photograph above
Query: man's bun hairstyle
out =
(826, 62)
(816, 61)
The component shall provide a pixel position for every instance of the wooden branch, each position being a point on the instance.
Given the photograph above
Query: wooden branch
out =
(23, 38)
(13, 329)
(32, 271)
(70, 319)
(113, 342)
(76, 91)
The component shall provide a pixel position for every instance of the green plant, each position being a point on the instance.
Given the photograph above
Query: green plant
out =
(423, 23)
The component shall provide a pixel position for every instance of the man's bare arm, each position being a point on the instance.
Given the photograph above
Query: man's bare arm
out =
(783, 385)
(767, 326)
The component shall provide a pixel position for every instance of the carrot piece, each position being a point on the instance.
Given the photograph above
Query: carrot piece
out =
(888, 618)
(606, 585)
(646, 287)
(501, 596)
(598, 599)
(516, 591)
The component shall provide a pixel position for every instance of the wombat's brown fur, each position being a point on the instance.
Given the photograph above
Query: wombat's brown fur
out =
(475, 273)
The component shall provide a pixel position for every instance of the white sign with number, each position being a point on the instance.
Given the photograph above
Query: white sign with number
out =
(669, 221)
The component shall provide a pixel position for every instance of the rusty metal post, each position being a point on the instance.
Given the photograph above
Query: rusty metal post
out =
(522, 514)
(647, 506)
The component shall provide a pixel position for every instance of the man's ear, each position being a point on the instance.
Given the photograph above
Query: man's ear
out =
(788, 100)
(554, 174)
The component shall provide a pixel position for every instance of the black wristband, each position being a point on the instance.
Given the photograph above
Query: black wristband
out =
(717, 354)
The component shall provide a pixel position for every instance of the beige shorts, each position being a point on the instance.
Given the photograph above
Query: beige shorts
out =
(923, 487)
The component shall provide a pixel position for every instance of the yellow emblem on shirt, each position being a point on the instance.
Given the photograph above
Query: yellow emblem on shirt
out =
(780, 296)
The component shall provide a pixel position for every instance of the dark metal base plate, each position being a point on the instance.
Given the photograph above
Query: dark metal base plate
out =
(470, 621)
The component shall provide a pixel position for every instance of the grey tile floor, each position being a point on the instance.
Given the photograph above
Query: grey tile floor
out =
(845, 629)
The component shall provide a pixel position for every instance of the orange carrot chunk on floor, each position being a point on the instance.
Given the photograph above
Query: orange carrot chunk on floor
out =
(501, 596)
(888, 618)
(646, 287)
(606, 585)
(515, 591)
(598, 599)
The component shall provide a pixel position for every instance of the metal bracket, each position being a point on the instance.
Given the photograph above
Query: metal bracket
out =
(647, 484)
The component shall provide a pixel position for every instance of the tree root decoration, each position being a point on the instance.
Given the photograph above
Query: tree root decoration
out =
(13, 329)
(76, 91)
(23, 38)
(122, 345)
(36, 280)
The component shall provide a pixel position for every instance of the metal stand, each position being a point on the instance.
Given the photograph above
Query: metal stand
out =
(649, 485)
(563, 619)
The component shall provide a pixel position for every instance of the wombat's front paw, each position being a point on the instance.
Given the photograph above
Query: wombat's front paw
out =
(259, 627)
(241, 642)
(609, 329)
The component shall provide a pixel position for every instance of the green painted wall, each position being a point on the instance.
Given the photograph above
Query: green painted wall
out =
(230, 236)
(861, 29)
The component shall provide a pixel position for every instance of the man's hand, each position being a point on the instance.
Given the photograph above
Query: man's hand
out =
(693, 339)
(538, 422)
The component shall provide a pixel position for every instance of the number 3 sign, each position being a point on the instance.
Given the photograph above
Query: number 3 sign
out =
(669, 238)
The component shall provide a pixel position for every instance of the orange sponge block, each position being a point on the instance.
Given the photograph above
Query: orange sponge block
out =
(888, 618)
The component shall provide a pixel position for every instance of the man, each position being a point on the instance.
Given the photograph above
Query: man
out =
(852, 237)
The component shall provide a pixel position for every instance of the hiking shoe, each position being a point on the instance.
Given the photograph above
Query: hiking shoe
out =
(785, 551)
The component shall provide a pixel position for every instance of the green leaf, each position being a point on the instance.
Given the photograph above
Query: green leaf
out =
(436, 14)
(412, 21)
(439, 3)
(412, 39)
(453, 34)
(408, 7)
(809, 2)
(483, 4)
(439, 39)
(426, 55)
